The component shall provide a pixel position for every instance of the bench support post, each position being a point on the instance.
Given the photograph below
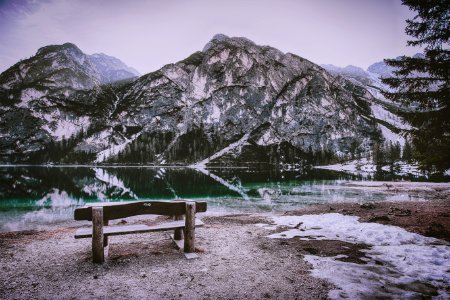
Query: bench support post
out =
(105, 238)
(178, 234)
(189, 230)
(98, 239)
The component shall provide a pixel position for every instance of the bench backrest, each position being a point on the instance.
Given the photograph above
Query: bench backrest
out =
(112, 211)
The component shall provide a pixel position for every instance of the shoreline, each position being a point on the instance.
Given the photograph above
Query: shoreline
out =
(233, 251)
(269, 202)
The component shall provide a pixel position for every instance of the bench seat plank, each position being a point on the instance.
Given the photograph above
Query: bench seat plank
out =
(130, 229)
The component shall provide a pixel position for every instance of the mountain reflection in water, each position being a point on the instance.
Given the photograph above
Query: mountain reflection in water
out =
(34, 197)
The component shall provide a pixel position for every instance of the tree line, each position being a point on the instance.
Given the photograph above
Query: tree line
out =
(389, 153)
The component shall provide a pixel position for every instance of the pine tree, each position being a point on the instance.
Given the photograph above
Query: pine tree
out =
(393, 151)
(378, 155)
(387, 149)
(397, 150)
(407, 151)
(422, 82)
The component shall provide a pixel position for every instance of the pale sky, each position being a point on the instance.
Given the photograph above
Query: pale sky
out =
(147, 34)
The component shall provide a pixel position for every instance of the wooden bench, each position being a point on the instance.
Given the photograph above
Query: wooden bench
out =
(101, 213)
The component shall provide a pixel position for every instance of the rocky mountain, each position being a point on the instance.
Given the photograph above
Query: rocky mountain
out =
(234, 102)
(350, 72)
(381, 69)
(43, 98)
(371, 76)
(389, 114)
(112, 69)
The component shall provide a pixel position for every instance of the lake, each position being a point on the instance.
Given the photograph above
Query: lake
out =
(35, 197)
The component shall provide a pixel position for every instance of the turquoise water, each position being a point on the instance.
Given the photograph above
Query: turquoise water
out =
(34, 197)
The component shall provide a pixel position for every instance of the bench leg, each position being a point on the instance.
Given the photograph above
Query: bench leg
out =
(97, 235)
(178, 234)
(105, 238)
(189, 228)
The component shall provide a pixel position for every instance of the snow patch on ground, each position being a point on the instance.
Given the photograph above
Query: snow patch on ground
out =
(268, 138)
(241, 142)
(261, 81)
(324, 102)
(245, 60)
(399, 263)
(99, 139)
(66, 128)
(405, 168)
(176, 74)
(157, 82)
(214, 114)
(221, 57)
(29, 95)
(399, 186)
(376, 92)
(23, 69)
(383, 114)
(228, 78)
(61, 126)
(199, 83)
(391, 136)
(115, 149)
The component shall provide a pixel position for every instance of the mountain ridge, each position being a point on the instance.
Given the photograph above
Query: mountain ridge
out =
(248, 103)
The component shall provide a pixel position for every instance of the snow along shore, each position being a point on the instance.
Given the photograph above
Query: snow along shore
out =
(399, 264)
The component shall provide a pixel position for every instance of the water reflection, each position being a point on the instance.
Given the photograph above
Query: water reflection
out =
(36, 196)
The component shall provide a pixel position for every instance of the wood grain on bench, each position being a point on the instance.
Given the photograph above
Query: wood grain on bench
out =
(114, 210)
(138, 228)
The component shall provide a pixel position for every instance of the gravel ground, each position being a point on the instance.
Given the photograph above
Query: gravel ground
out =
(236, 259)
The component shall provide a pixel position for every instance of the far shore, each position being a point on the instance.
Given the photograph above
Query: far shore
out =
(348, 167)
